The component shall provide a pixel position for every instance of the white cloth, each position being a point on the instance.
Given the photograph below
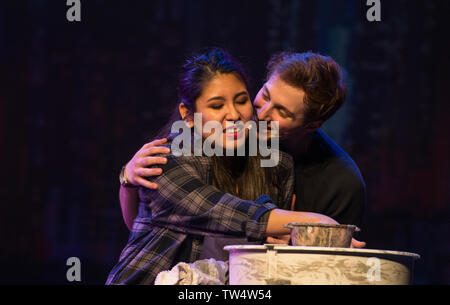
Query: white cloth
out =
(201, 272)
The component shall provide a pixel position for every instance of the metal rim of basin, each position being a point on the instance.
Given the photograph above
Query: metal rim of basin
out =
(292, 225)
(319, 250)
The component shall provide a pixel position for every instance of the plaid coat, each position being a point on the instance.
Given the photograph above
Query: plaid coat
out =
(173, 219)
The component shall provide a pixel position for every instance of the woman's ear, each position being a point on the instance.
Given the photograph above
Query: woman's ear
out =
(185, 115)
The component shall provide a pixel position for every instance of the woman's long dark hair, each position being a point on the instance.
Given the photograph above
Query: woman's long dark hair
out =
(239, 176)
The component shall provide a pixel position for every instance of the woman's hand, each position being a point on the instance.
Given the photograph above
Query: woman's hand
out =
(279, 218)
(321, 218)
(282, 240)
(137, 169)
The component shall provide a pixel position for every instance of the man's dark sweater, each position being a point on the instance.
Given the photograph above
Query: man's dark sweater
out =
(329, 182)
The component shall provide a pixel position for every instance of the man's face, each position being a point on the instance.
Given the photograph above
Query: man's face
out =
(279, 101)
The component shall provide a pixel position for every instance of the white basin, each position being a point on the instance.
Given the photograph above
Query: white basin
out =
(293, 265)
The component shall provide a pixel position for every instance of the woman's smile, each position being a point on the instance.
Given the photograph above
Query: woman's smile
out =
(234, 131)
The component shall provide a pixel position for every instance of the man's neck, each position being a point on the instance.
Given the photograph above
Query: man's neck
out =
(297, 147)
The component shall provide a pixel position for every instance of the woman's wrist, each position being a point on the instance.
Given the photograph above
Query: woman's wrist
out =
(278, 218)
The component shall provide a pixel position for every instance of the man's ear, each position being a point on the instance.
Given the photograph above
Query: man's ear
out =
(185, 115)
(313, 126)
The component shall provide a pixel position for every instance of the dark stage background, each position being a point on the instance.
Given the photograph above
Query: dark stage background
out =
(79, 98)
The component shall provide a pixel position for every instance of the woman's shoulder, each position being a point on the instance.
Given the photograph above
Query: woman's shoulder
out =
(181, 155)
(286, 157)
(189, 159)
(186, 162)
(286, 161)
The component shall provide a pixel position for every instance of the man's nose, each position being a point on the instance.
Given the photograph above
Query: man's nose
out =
(264, 112)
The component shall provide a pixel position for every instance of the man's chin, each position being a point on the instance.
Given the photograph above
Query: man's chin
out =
(265, 135)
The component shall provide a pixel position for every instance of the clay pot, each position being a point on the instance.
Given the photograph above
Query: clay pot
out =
(321, 235)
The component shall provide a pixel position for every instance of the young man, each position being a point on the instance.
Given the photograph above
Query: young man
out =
(301, 92)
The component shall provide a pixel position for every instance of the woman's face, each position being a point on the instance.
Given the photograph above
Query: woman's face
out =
(225, 100)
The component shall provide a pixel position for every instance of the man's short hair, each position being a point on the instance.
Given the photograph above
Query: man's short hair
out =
(320, 77)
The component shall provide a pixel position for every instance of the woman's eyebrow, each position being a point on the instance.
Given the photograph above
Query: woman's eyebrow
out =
(219, 98)
(240, 94)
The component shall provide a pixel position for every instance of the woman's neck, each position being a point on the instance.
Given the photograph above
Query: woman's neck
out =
(235, 164)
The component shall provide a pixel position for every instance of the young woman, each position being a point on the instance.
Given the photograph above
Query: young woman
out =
(208, 197)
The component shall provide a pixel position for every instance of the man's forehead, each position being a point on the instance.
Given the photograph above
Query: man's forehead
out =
(284, 94)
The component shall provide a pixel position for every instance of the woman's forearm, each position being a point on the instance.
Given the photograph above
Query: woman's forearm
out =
(129, 203)
(278, 218)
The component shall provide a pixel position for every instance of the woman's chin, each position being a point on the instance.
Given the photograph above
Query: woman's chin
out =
(229, 143)
(232, 145)
(234, 142)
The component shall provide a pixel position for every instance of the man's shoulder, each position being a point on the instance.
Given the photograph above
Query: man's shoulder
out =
(335, 164)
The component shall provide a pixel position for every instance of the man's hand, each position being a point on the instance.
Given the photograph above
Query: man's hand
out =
(137, 169)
